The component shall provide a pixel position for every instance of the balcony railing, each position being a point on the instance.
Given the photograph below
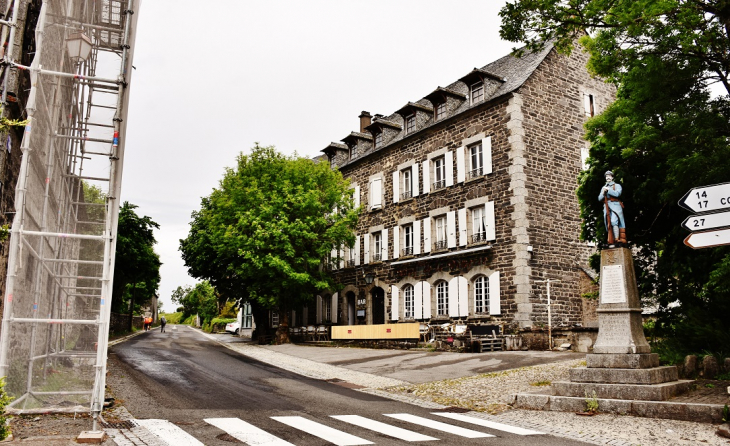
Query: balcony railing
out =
(474, 173)
(439, 184)
(406, 195)
(441, 244)
(479, 237)
(377, 257)
(350, 263)
(408, 251)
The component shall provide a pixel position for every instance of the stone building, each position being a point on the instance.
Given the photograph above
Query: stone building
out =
(468, 200)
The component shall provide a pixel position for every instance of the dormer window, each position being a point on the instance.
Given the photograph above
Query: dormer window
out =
(378, 139)
(440, 111)
(476, 92)
(410, 124)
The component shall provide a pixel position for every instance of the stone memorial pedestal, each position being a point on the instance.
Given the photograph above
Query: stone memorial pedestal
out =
(621, 366)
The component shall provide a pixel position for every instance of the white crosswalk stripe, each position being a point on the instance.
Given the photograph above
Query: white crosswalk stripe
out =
(490, 424)
(433, 424)
(324, 432)
(246, 432)
(383, 428)
(169, 433)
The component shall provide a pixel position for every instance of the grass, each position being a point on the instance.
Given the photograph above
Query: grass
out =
(541, 383)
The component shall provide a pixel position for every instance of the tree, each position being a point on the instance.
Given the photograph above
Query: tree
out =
(137, 265)
(201, 299)
(265, 233)
(664, 134)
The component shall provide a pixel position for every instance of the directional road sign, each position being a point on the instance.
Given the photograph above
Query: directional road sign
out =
(704, 222)
(707, 198)
(708, 239)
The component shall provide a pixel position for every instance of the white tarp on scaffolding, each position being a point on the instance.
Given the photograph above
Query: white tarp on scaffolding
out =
(61, 259)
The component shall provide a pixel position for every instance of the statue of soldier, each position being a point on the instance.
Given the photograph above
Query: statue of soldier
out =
(613, 210)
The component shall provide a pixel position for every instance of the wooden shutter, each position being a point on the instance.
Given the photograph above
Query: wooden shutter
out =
(333, 308)
(494, 303)
(396, 186)
(333, 259)
(487, 154)
(463, 296)
(414, 179)
(357, 250)
(417, 302)
(357, 196)
(318, 318)
(453, 298)
(462, 227)
(460, 167)
(451, 229)
(489, 217)
(449, 161)
(396, 242)
(394, 303)
(427, 234)
(416, 237)
(367, 248)
(376, 192)
(384, 245)
(426, 176)
(426, 299)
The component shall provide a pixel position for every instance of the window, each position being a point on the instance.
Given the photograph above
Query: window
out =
(476, 161)
(589, 105)
(353, 151)
(326, 308)
(332, 162)
(408, 240)
(410, 124)
(274, 319)
(408, 301)
(439, 173)
(378, 139)
(481, 295)
(350, 257)
(377, 247)
(407, 179)
(477, 92)
(442, 298)
(440, 233)
(440, 111)
(478, 225)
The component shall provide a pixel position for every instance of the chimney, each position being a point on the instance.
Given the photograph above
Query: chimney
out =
(365, 120)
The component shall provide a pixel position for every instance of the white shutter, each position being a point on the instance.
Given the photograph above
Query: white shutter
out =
(451, 229)
(453, 297)
(357, 250)
(396, 242)
(333, 258)
(462, 227)
(417, 302)
(487, 154)
(384, 245)
(357, 196)
(396, 186)
(414, 176)
(426, 300)
(449, 159)
(341, 253)
(394, 303)
(460, 167)
(417, 237)
(333, 308)
(376, 192)
(426, 176)
(318, 318)
(494, 304)
(489, 217)
(367, 248)
(427, 234)
(463, 297)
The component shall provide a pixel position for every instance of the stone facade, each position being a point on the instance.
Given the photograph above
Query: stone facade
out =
(503, 145)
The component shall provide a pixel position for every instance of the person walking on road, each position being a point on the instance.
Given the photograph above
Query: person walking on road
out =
(163, 321)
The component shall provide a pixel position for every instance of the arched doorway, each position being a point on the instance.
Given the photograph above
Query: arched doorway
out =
(377, 295)
(350, 308)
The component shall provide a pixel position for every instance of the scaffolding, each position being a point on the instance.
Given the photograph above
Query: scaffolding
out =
(53, 342)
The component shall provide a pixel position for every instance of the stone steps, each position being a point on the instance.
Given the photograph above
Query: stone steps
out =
(643, 392)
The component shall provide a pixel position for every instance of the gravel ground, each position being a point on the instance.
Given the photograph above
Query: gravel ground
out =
(485, 393)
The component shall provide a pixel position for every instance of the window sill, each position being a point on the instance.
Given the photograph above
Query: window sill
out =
(440, 318)
(376, 209)
(479, 316)
(406, 200)
(437, 251)
(410, 256)
(438, 190)
(479, 243)
(473, 179)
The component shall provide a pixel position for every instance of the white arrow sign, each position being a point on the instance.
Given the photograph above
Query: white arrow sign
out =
(708, 239)
(704, 222)
(707, 198)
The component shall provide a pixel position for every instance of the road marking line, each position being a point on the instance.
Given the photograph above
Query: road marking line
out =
(247, 433)
(433, 424)
(169, 433)
(324, 432)
(490, 424)
(383, 428)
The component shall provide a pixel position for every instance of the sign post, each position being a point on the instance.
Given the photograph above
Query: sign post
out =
(713, 226)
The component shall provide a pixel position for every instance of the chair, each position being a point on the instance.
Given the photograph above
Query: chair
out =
(423, 330)
(295, 332)
(459, 329)
(322, 334)
(311, 332)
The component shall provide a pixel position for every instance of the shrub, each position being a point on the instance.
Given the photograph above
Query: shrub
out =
(4, 401)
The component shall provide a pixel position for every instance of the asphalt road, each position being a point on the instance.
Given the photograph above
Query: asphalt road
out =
(185, 378)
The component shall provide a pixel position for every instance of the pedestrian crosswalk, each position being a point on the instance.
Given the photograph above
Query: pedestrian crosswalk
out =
(168, 433)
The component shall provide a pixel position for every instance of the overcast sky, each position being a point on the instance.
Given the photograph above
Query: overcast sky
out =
(214, 77)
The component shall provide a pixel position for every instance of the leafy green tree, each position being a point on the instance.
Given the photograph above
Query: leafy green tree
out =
(265, 232)
(664, 134)
(201, 299)
(137, 265)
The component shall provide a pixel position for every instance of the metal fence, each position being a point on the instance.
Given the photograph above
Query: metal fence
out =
(53, 343)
